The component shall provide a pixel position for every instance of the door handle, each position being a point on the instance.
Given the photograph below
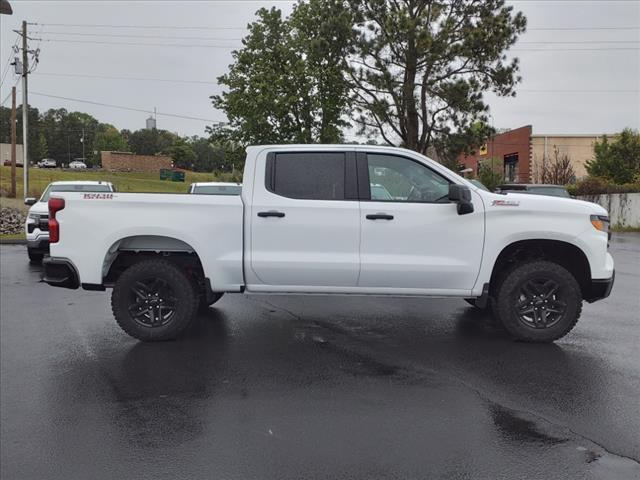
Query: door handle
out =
(271, 213)
(379, 216)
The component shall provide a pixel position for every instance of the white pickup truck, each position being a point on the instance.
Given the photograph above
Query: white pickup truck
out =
(334, 220)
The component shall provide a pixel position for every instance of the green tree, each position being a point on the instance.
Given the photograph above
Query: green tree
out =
(208, 157)
(150, 142)
(287, 82)
(182, 154)
(618, 161)
(43, 149)
(109, 138)
(421, 67)
(490, 173)
(232, 152)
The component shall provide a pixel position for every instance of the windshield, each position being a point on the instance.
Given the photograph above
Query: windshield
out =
(73, 188)
(217, 189)
(552, 191)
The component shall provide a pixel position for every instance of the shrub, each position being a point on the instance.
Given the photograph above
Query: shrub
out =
(600, 186)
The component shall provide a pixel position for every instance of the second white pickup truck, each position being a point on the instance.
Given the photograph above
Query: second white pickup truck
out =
(334, 219)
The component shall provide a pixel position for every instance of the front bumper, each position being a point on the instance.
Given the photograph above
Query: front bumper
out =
(40, 245)
(60, 272)
(600, 288)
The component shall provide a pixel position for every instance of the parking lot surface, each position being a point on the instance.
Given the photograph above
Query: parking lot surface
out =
(315, 387)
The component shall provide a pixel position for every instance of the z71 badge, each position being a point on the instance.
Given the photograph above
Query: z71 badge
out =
(98, 196)
(505, 203)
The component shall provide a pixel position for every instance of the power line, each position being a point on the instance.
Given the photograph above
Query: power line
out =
(127, 35)
(125, 108)
(163, 27)
(575, 91)
(211, 83)
(138, 44)
(191, 27)
(573, 49)
(142, 79)
(577, 42)
(583, 28)
(164, 37)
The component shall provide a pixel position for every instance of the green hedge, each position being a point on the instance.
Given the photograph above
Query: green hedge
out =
(600, 186)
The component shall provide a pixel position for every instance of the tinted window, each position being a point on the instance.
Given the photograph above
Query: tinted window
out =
(404, 180)
(217, 189)
(73, 188)
(314, 176)
(552, 191)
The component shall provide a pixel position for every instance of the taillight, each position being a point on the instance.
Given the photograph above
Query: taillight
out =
(55, 205)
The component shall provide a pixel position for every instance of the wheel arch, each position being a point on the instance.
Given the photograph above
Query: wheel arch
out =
(129, 250)
(566, 254)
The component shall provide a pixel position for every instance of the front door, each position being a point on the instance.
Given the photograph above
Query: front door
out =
(305, 221)
(412, 236)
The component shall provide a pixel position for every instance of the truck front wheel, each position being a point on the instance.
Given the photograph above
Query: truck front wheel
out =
(153, 300)
(538, 301)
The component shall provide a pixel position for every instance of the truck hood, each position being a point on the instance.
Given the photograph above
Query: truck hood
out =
(541, 203)
(41, 208)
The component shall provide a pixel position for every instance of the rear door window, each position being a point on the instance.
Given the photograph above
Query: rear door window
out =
(309, 176)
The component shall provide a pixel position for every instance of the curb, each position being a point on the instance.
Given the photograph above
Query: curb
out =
(12, 241)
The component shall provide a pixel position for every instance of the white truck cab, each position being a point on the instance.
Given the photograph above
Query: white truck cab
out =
(37, 224)
(335, 220)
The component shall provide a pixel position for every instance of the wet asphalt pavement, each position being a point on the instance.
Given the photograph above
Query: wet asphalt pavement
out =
(315, 387)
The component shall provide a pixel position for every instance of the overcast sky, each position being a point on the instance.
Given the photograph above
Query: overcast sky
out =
(581, 87)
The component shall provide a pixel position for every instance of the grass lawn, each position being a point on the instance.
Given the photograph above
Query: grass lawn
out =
(39, 178)
(13, 236)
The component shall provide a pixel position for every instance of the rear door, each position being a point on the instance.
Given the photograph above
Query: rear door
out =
(412, 236)
(305, 221)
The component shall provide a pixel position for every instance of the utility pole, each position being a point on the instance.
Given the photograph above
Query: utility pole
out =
(25, 110)
(13, 143)
(82, 140)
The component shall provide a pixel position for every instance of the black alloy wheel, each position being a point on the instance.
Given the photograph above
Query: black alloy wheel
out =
(540, 303)
(152, 302)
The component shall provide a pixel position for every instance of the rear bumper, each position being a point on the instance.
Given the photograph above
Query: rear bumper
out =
(600, 289)
(60, 272)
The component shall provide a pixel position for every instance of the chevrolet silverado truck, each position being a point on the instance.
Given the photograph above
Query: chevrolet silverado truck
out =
(37, 225)
(313, 219)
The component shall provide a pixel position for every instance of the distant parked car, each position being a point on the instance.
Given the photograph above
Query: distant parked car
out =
(215, 188)
(77, 165)
(534, 189)
(47, 163)
(7, 163)
(37, 225)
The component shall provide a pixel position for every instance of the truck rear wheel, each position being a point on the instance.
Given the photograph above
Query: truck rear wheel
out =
(153, 300)
(538, 301)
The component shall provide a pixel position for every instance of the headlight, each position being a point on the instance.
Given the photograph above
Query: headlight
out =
(34, 216)
(600, 222)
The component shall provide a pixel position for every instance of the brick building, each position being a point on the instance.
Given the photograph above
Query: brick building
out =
(510, 152)
(130, 162)
(520, 155)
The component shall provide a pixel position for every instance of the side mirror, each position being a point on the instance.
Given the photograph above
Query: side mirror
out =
(461, 195)
(30, 201)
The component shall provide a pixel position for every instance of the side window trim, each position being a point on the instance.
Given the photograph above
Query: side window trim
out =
(350, 174)
(362, 185)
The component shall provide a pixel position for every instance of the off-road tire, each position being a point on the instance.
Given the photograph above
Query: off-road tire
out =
(182, 289)
(35, 257)
(508, 295)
